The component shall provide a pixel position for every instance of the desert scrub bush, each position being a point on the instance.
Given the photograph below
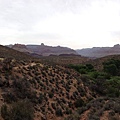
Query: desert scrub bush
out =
(2, 82)
(63, 100)
(4, 112)
(18, 111)
(114, 117)
(81, 91)
(79, 103)
(7, 64)
(75, 94)
(85, 79)
(53, 106)
(41, 98)
(99, 86)
(70, 104)
(93, 117)
(22, 89)
(81, 110)
(9, 97)
(68, 111)
(74, 116)
(51, 94)
(59, 112)
(111, 113)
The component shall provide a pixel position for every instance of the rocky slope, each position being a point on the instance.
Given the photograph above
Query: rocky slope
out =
(54, 91)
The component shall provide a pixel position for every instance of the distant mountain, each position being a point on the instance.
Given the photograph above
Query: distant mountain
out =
(97, 52)
(43, 50)
(21, 48)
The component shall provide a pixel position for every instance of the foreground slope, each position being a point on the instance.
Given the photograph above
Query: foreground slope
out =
(52, 89)
(55, 92)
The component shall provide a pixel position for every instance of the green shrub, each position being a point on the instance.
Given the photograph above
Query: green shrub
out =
(94, 74)
(113, 87)
(112, 66)
(83, 69)
(90, 67)
(111, 69)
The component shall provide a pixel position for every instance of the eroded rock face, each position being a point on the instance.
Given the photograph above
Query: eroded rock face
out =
(117, 46)
(49, 50)
(21, 48)
(43, 50)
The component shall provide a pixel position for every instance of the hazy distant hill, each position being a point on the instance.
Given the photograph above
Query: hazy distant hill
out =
(43, 50)
(97, 52)
(21, 48)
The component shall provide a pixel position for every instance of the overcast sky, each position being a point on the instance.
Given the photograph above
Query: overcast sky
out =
(70, 23)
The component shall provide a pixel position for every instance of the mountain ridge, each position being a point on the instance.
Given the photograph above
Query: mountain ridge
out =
(97, 52)
(43, 50)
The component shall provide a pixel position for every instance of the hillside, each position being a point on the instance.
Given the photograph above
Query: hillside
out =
(64, 59)
(97, 63)
(43, 50)
(57, 91)
(53, 90)
(97, 52)
(6, 52)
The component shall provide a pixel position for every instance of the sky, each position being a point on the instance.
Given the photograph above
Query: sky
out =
(71, 23)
